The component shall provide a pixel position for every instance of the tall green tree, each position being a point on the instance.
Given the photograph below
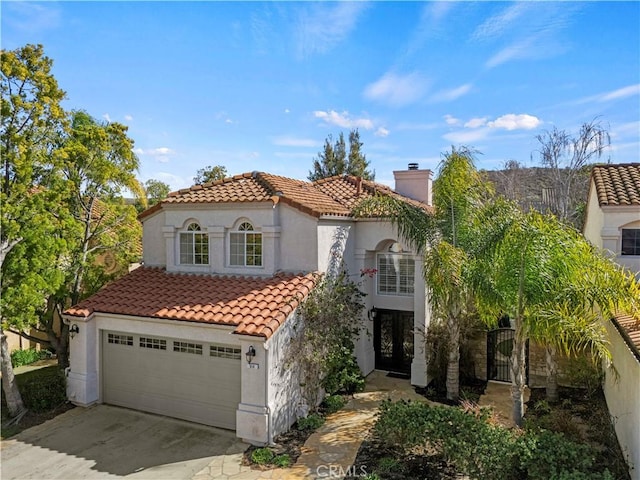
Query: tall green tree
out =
(99, 169)
(335, 160)
(155, 191)
(444, 238)
(210, 174)
(31, 123)
(556, 289)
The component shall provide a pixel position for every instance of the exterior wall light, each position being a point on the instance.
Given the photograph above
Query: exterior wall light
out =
(251, 353)
(74, 330)
(373, 313)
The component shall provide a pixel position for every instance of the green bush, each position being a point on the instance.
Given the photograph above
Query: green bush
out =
(477, 447)
(262, 456)
(547, 455)
(28, 356)
(584, 373)
(312, 422)
(389, 465)
(333, 403)
(42, 389)
(343, 374)
(282, 461)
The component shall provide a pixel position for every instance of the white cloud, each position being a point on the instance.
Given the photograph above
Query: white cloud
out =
(31, 17)
(107, 117)
(476, 122)
(288, 141)
(516, 122)
(527, 30)
(160, 154)
(397, 90)
(128, 118)
(496, 25)
(517, 50)
(286, 110)
(620, 93)
(451, 94)
(343, 120)
(381, 132)
(479, 128)
(451, 120)
(321, 27)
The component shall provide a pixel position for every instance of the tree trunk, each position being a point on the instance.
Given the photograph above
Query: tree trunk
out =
(15, 406)
(453, 365)
(552, 374)
(518, 374)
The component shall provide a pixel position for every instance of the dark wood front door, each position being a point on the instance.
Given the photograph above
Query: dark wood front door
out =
(393, 340)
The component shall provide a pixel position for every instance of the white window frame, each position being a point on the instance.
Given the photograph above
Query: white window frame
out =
(190, 240)
(404, 281)
(243, 243)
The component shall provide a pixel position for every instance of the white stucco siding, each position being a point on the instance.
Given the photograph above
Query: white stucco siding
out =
(218, 222)
(84, 386)
(595, 219)
(622, 398)
(153, 243)
(335, 246)
(298, 240)
(284, 394)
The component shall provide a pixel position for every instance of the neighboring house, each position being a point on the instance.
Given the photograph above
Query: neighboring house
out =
(613, 223)
(200, 331)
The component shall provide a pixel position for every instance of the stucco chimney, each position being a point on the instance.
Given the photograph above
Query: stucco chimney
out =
(414, 183)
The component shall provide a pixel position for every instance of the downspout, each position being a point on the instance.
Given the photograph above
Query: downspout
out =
(266, 394)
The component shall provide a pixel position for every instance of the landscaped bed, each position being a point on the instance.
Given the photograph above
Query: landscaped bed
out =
(572, 439)
(43, 393)
(288, 446)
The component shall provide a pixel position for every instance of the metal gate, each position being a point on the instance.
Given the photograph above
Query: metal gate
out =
(499, 348)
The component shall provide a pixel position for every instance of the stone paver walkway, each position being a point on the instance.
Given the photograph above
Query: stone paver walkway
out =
(498, 396)
(331, 450)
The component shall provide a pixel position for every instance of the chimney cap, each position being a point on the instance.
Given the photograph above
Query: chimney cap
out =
(413, 166)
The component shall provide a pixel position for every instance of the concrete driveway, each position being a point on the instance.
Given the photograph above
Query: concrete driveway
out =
(105, 442)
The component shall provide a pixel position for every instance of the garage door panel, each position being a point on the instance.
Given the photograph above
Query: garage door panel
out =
(199, 388)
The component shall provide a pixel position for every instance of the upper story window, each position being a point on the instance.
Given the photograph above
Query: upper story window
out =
(194, 246)
(246, 247)
(630, 241)
(395, 274)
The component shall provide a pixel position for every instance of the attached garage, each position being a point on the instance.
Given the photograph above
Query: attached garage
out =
(191, 380)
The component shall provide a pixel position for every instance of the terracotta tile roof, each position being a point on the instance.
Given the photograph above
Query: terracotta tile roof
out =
(345, 189)
(617, 184)
(629, 328)
(331, 196)
(254, 305)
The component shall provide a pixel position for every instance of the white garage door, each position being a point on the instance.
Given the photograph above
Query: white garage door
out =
(191, 380)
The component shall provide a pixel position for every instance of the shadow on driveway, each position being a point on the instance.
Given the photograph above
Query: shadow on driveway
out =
(111, 442)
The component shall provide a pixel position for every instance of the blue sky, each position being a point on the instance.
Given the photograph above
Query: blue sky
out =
(259, 86)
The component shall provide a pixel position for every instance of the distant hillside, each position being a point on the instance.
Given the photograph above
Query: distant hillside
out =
(536, 188)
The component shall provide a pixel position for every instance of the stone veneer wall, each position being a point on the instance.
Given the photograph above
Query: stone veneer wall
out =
(537, 363)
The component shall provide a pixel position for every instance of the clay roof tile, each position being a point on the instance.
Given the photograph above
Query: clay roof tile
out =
(153, 292)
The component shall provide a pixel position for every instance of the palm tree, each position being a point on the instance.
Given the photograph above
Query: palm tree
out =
(443, 238)
(551, 282)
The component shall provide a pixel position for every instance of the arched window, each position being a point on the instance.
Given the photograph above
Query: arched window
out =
(246, 247)
(396, 271)
(194, 246)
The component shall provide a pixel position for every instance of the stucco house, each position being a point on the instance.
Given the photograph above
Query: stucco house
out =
(199, 331)
(613, 223)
